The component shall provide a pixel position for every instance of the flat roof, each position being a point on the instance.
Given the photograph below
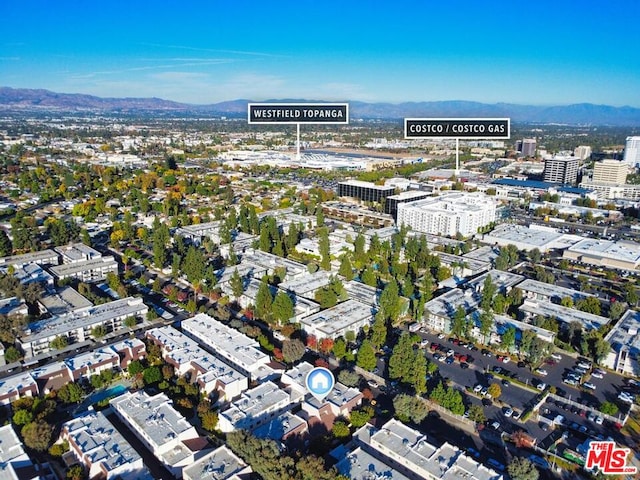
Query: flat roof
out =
(475, 265)
(307, 284)
(254, 403)
(551, 290)
(17, 382)
(153, 415)
(82, 266)
(485, 253)
(409, 194)
(76, 252)
(100, 442)
(621, 251)
(532, 236)
(339, 317)
(360, 465)
(221, 464)
(446, 304)
(512, 182)
(563, 314)
(362, 292)
(280, 426)
(124, 307)
(64, 301)
(625, 332)
(33, 257)
(88, 359)
(360, 183)
(501, 279)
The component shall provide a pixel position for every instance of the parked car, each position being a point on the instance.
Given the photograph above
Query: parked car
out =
(541, 371)
(508, 412)
(588, 385)
(556, 356)
(477, 388)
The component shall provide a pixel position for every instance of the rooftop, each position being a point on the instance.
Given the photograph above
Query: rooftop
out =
(221, 464)
(339, 317)
(66, 300)
(551, 291)
(307, 284)
(67, 269)
(255, 404)
(625, 332)
(359, 183)
(43, 256)
(588, 321)
(360, 465)
(76, 252)
(99, 441)
(533, 236)
(621, 250)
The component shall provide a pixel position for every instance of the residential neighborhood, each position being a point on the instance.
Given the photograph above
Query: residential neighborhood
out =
(167, 288)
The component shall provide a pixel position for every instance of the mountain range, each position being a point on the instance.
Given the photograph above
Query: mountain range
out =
(576, 114)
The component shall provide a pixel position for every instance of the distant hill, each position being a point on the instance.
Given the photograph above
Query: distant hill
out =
(577, 114)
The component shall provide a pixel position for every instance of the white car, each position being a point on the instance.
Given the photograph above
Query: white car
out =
(588, 385)
(505, 359)
(556, 356)
(477, 388)
(516, 415)
(625, 397)
(599, 420)
(597, 375)
(541, 371)
(495, 425)
(541, 386)
(508, 412)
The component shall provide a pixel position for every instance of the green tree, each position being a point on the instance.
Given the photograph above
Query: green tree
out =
(349, 378)
(340, 429)
(361, 416)
(366, 357)
(521, 468)
(71, 393)
(59, 343)
(346, 269)
(486, 324)
(22, 417)
(410, 408)
(609, 408)
(339, 348)
(535, 256)
(419, 373)
(324, 248)
(459, 323)
(616, 310)
(589, 305)
(98, 331)
(130, 322)
(194, 265)
(264, 300)
(402, 357)
(494, 390)
(379, 332)
(76, 472)
(6, 248)
(151, 375)
(135, 367)
(282, 307)
(369, 276)
(236, 284)
(209, 420)
(476, 413)
(37, 435)
(12, 354)
(489, 289)
(509, 338)
(390, 301)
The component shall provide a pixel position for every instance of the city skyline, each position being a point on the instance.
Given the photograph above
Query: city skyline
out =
(542, 53)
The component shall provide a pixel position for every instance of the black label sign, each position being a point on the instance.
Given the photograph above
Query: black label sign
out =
(457, 128)
(327, 113)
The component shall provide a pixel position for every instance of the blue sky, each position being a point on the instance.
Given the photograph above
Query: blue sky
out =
(521, 51)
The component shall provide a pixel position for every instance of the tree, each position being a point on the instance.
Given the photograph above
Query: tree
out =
(22, 417)
(6, 248)
(609, 408)
(194, 265)
(346, 269)
(209, 420)
(616, 309)
(630, 294)
(589, 305)
(402, 357)
(339, 348)
(489, 289)
(360, 417)
(135, 367)
(379, 332)
(410, 408)
(151, 375)
(459, 322)
(366, 357)
(98, 331)
(292, 350)
(59, 343)
(390, 301)
(76, 472)
(324, 248)
(486, 324)
(37, 435)
(12, 354)
(476, 413)
(349, 378)
(236, 284)
(71, 393)
(521, 468)
(494, 390)
(369, 277)
(509, 338)
(130, 322)
(282, 307)
(264, 300)
(340, 429)
(419, 373)
(600, 349)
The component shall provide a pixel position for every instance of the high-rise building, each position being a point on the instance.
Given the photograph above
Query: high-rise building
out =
(561, 169)
(450, 214)
(632, 151)
(529, 147)
(582, 152)
(366, 191)
(610, 171)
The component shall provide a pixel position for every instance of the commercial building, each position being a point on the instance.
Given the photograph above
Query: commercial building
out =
(624, 357)
(561, 169)
(228, 344)
(410, 453)
(154, 421)
(606, 191)
(632, 151)
(529, 237)
(221, 464)
(336, 321)
(462, 213)
(365, 191)
(582, 152)
(78, 327)
(88, 271)
(13, 306)
(610, 171)
(104, 452)
(356, 214)
(392, 201)
(528, 147)
(623, 255)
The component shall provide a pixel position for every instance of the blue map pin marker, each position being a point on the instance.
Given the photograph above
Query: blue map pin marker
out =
(320, 381)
